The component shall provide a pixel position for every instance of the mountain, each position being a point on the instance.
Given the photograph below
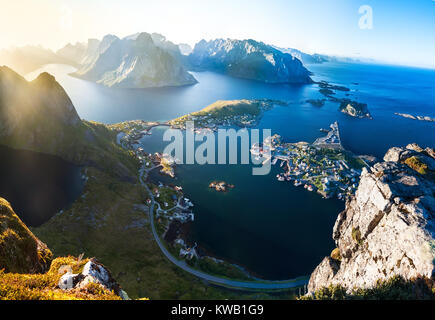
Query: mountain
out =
(28, 109)
(248, 59)
(387, 229)
(39, 116)
(185, 49)
(73, 52)
(29, 58)
(304, 57)
(137, 61)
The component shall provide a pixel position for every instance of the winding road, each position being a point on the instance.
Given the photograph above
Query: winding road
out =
(262, 285)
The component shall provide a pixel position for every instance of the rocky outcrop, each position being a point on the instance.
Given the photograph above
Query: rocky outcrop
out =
(387, 228)
(20, 250)
(137, 61)
(93, 272)
(248, 59)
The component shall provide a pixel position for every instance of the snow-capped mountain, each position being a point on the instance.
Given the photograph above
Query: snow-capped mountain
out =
(248, 59)
(137, 61)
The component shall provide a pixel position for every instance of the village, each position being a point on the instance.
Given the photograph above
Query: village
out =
(324, 166)
(171, 207)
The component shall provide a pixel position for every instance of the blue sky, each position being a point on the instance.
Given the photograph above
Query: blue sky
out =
(403, 30)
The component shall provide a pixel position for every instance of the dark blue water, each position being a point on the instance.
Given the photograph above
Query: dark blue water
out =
(272, 228)
(37, 185)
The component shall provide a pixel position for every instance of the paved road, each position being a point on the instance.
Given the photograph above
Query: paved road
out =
(266, 285)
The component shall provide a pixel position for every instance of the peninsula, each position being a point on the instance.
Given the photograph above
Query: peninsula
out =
(242, 113)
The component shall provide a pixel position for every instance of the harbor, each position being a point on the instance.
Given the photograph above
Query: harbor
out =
(324, 166)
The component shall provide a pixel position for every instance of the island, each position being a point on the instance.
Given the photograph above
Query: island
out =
(412, 117)
(352, 108)
(220, 186)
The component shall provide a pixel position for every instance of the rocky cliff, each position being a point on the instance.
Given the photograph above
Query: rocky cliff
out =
(387, 228)
(248, 59)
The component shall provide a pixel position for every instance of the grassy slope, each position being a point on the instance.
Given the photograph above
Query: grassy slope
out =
(20, 250)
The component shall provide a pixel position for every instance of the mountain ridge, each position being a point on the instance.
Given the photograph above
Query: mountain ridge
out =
(248, 59)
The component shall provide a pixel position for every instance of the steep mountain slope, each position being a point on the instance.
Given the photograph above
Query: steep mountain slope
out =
(27, 109)
(248, 59)
(39, 116)
(388, 227)
(137, 61)
(20, 250)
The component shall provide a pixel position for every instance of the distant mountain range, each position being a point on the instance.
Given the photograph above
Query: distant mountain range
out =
(248, 59)
(144, 60)
(29, 58)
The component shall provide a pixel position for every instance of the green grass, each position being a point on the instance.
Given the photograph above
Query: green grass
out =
(416, 164)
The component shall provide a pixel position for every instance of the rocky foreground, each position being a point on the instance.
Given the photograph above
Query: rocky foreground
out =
(387, 228)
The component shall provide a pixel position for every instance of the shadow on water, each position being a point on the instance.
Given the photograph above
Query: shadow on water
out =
(37, 185)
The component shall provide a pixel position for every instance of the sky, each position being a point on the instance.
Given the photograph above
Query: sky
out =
(400, 31)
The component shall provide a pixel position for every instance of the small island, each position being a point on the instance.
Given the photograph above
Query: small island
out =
(347, 106)
(220, 186)
(412, 117)
(354, 109)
